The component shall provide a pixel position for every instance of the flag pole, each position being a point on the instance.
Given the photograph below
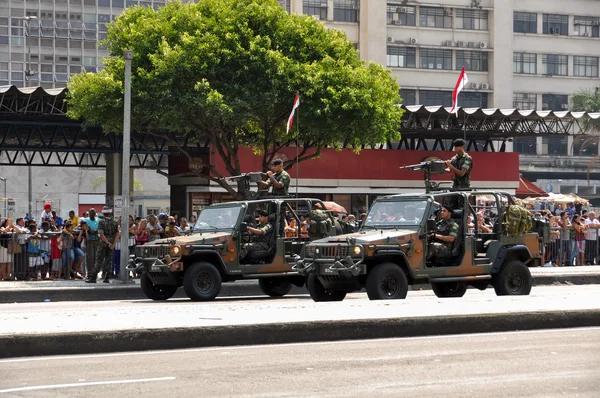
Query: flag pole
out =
(464, 116)
(297, 145)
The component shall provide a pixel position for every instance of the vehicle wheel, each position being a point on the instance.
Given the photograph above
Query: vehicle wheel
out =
(386, 281)
(156, 292)
(202, 282)
(449, 289)
(514, 279)
(274, 287)
(318, 292)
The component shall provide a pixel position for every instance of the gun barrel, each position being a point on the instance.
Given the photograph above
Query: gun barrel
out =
(416, 166)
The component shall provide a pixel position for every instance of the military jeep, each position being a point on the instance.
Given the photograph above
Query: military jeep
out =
(390, 251)
(209, 256)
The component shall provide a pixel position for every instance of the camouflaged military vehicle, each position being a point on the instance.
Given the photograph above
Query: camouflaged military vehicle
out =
(390, 250)
(209, 256)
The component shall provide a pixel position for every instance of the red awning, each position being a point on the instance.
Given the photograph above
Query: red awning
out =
(529, 189)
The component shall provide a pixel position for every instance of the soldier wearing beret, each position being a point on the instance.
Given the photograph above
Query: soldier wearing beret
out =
(460, 166)
(279, 179)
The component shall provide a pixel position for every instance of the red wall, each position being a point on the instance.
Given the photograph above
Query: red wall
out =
(383, 164)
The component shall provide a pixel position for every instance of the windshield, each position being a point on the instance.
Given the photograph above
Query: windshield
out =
(215, 218)
(386, 214)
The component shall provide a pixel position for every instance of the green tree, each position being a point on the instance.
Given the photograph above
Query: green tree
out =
(228, 70)
(588, 101)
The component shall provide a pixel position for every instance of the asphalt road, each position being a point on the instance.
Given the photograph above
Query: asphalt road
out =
(534, 364)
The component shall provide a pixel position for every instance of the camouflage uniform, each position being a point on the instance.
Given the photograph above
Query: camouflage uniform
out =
(462, 162)
(260, 242)
(284, 178)
(443, 249)
(104, 254)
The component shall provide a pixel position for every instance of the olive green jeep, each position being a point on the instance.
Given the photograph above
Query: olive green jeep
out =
(209, 256)
(390, 251)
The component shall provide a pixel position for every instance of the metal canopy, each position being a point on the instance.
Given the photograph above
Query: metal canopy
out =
(34, 130)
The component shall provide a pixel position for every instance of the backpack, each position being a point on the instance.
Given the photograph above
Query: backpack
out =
(320, 223)
(517, 220)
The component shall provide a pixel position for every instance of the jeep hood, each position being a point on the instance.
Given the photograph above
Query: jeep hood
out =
(370, 236)
(195, 239)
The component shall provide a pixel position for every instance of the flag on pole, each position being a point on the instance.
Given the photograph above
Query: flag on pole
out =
(291, 118)
(460, 84)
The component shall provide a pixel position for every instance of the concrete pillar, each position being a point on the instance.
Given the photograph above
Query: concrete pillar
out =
(372, 36)
(501, 71)
(296, 6)
(179, 200)
(330, 10)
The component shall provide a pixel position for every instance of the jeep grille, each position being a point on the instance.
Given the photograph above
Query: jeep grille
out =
(148, 251)
(329, 251)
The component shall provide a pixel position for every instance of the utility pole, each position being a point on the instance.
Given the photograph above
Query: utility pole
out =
(5, 215)
(28, 73)
(123, 273)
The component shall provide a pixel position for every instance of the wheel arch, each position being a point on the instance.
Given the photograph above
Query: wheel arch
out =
(208, 256)
(397, 257)
(511, 253)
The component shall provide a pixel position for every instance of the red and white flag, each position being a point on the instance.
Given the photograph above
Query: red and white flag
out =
(460, 84)
(291, 118)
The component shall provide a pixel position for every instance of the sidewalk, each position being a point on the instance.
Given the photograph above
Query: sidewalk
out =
(37, 291)
(78, 327)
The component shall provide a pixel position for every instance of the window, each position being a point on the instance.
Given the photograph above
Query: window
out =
(525, 22)
(435, 98)
(472, 60)
(103, 3)
(556, 145)
(585, 66)
(401, 57)
(284, 3)
(553, 24)
(525, 63)
(397, 15)
(316, 8)
(553, 64)
(555, 102)
(345, 10)
(434, 17)
(409, 97)
(525, 145)
(524, 101)
(118, 3)
(435, 59)
(586, 26)
(472, 19)
(473, 100)
(584, 145)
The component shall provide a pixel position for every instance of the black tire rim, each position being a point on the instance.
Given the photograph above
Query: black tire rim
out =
(204, 282)
(516, 281)
(390, 285)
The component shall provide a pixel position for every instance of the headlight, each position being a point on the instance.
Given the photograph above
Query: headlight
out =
(176, 250)
(356, 250)
(317, 250)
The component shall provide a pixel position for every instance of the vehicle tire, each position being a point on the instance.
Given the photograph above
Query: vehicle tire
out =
(449, 289)
(514, 279)
(156, 292)
(387, 281)
(275, 287)
(202, 282)
(318, 292)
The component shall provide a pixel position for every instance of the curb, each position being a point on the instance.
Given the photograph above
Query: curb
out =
(280, 333)
(235, 289)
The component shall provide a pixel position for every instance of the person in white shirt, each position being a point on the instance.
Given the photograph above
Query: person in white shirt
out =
(46, 215)
(591, 238)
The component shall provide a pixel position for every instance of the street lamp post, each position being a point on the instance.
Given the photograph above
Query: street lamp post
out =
(123, 273)
(28, 73)
(5, 215)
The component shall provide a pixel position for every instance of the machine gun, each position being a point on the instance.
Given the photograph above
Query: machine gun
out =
(244, 180)
(429, 167)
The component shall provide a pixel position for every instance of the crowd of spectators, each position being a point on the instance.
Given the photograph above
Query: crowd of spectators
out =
(52, 248)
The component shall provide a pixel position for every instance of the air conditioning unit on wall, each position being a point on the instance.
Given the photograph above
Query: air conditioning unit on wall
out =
(413, 40)
(482, 45)
(473, 85)
(485, 86)
(448, 43)
(390, 39)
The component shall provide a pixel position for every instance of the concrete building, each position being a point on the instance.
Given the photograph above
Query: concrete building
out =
(519, 54)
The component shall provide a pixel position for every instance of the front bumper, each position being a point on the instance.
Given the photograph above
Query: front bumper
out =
(336, 265)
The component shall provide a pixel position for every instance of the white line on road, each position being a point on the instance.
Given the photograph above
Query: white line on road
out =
(92, 383)
(258, 346)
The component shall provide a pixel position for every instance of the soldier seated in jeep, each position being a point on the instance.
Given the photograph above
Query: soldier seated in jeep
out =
(260, 246)
(446, 232)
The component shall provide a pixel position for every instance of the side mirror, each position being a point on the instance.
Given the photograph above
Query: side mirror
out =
(243, 227)
(431, 224)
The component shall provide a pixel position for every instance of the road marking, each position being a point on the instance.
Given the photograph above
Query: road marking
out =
(92, 383)
(311, 343)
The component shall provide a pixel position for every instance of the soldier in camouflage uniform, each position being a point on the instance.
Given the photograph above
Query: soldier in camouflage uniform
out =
(446, 232)
(279, 179)
(460, 166)
(262, 233)
(108, 231)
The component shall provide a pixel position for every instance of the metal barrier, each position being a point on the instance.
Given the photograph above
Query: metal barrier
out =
(563, 251)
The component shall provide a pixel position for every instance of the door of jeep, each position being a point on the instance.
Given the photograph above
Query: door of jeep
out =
(250, 218)
(295, 233)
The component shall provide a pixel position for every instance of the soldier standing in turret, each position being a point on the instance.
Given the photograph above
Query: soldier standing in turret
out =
(279, 179)
(460, 166)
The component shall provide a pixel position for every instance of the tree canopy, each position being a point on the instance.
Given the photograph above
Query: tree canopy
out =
(228, 70)
(587, 101)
